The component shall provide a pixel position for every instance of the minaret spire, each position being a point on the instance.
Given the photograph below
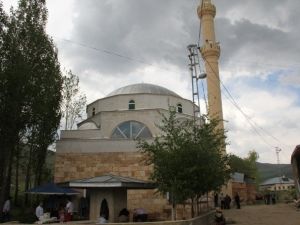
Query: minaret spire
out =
(210, 51)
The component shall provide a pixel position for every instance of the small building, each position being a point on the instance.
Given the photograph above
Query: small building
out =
(277, 184)
(244, 186)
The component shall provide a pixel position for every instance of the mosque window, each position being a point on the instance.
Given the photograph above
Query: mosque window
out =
(131, 130)
(94, 112)
(131, 104)
(179, 108)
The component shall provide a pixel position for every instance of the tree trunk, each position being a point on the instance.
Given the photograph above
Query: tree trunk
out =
(192, 208)
(173, 211)
(207, 205)
(197, 205)
(17, 175)
(28, 174)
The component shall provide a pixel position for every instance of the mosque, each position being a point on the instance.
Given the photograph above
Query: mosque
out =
(101, 157)
(104, 143)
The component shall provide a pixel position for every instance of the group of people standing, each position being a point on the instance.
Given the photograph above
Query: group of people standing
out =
(225, 201)
(270, 198)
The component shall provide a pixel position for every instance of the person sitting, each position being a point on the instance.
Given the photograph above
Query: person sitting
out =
(61, 214)
(102, 219)
(219, 217)
(39, 211)
(297, 203)
(140, 215)
(124, 215)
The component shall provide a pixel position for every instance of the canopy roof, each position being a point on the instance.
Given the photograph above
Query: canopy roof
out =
(52, 189)
(112, 181)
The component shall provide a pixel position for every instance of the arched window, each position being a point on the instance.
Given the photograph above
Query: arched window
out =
(179, 108)
(94, 112)
(131, 130)
(131, 104)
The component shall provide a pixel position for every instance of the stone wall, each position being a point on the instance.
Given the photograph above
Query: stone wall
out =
(247, 192)
(70, 166)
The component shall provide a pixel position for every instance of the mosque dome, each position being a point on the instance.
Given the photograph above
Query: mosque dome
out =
(143, 88)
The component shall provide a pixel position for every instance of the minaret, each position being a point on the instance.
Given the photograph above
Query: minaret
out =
(210, 51)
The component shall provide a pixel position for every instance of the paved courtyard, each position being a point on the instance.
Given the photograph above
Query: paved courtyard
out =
(279, 214)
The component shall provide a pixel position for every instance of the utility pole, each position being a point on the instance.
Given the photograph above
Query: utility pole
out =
(278, 150)
(196, 75)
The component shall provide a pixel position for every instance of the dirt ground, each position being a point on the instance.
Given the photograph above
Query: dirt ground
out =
(279, 214)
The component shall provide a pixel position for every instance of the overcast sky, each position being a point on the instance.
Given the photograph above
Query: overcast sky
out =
(259, 62)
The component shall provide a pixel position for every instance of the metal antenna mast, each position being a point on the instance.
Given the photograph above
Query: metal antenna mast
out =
(278, 150)
(195, 75)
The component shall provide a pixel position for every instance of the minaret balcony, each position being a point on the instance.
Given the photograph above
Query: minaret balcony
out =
(207, 9)
(210, 49)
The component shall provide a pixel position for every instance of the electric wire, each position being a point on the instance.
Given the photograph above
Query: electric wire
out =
(250, 121)
(229, 97)
(117, 55)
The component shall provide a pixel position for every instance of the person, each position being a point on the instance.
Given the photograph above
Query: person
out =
(70, 210)
(273, 196)
(102, 219)
(6, 210)
(219, 217)
(297, 203)
(140, 215)
(61, 214)
(237, 200)
(216, 200)
(39, 211)
(124, 215)
(227, 201)
(222, 200)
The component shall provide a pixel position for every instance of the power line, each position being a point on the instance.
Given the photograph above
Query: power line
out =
(117, 55)
(229, 97)
(248, 119)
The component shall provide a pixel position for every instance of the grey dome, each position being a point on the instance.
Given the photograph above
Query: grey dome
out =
(143, 88)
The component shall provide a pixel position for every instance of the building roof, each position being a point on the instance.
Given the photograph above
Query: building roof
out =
(112, 181)
(142, 88)
(277, 180)
(237, 177)
(52, 189)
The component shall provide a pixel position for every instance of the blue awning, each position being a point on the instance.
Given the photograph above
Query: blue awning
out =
(52, 189)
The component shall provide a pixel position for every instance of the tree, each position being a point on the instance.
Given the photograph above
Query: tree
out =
(73, 101)
(245, 165)
(30, 89)
(186, 158)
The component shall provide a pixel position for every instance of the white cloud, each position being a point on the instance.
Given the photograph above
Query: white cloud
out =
(259, 41)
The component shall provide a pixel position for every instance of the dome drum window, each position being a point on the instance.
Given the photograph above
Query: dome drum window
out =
(131, 105)
(131, 130)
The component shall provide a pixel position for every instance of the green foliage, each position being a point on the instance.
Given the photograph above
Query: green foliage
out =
(73, 101)
(245, 165)
(187, 159)
(30, 92)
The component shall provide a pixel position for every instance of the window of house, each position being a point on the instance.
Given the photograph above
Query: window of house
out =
(131, 130)
(94, 111)
(179, 108)
(131, 104)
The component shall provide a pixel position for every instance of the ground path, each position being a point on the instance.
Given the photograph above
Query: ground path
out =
(279, 214)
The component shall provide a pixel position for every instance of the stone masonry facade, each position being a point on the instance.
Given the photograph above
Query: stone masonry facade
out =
(71, 166)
